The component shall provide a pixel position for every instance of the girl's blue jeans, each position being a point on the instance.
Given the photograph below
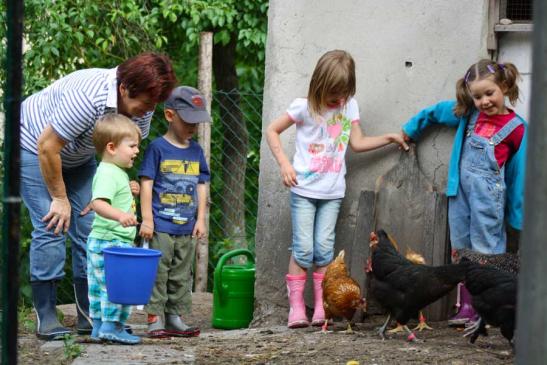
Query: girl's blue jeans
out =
(313, 229)
(47, 250)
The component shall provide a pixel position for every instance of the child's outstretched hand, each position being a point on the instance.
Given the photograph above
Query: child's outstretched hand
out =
(288, 174)
(127, 219)
(399, 138)
(406, 137)
(147, 230)
(135, 187)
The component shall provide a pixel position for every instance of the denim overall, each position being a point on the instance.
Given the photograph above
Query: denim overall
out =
(476, 213)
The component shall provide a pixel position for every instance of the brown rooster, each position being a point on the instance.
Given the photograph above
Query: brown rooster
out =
(341, 293)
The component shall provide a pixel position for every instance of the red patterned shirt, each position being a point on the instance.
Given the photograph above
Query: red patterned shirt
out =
(487, 126)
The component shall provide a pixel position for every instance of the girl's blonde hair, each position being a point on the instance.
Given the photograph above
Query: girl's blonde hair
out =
(334, 74)
(505, 75)
(113, 128)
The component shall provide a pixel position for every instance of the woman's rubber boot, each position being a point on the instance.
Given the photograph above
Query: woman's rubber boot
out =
(297, 308)
(466, 311)
(44, 296)
(84, 324)
(318, 318)
(115, 332)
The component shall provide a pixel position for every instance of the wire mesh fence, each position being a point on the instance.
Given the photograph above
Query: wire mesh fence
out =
(517, 10)
(235, 146)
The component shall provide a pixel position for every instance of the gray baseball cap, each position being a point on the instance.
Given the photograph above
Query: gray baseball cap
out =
(189, 103)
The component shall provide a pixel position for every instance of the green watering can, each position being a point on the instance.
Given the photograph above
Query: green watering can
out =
(233, 292)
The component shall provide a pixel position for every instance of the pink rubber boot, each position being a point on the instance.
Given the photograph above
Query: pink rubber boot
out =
(319, 312)
(297, 311)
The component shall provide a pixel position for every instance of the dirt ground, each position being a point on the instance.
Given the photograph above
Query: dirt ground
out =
(274, 345)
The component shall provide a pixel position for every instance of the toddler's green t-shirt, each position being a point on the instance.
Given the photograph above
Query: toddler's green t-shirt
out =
(111, 183)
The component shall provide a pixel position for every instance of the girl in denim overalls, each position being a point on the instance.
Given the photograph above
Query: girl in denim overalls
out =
(327, 121)
(486, 171)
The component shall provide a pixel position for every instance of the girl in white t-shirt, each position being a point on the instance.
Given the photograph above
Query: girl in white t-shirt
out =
(326, 122)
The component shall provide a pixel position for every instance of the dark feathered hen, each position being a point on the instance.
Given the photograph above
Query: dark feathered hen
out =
(508, 262)
(494, 297)
(404, 288)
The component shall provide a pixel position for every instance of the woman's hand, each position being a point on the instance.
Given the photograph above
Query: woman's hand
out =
(58, 215)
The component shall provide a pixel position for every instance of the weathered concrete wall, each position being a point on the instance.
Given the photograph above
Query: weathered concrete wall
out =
(516, 47)
(408, 55)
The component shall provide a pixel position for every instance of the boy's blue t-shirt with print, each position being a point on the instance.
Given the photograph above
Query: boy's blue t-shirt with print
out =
(176, 172)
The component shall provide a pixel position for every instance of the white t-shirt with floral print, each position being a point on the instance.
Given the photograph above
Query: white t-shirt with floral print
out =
(321, 145)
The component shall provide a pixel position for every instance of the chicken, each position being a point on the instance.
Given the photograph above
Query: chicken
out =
(494, 295)
(508, 262)
(404, 288)
(417, 259)
(341, 293)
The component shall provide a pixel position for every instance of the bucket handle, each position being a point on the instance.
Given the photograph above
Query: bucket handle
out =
(222, 261)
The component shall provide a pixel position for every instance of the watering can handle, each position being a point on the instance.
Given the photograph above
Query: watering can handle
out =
(222, 261)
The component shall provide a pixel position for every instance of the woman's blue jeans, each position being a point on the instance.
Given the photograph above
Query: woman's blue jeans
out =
(47, 250)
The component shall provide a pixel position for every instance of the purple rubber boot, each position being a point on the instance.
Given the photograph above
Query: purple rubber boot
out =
(466, 313)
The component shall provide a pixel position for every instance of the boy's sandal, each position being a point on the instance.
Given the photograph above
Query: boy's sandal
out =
(189, 332)
(158, 334)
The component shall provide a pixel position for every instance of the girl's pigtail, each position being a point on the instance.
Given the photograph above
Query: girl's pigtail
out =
(511, 75)
(464, 102)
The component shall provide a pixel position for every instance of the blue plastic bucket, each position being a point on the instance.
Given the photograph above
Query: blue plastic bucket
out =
(130, 274)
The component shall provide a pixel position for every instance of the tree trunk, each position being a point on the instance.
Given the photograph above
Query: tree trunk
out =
(235, 142)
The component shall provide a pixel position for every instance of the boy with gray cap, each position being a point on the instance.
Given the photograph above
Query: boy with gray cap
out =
(173, 200)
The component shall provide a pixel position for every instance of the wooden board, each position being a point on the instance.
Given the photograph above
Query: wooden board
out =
(408, 207)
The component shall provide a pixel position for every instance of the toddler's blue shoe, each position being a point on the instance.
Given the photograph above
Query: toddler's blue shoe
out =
(115, 332)
(95, 331)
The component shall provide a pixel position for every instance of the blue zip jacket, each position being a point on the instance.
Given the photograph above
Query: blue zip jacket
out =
(443, 113)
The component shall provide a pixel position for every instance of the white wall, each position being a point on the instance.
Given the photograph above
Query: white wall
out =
(516, 47)
(440, 38)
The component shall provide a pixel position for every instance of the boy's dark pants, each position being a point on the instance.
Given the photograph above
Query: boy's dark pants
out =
(172, 291)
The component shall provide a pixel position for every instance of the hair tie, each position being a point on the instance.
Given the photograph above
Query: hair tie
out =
(491, 69)
(501, 66)
(466, 78)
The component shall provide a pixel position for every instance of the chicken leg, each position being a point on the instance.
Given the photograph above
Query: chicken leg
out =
(399, 328)
(478, 328)
(422, 325)
(382, 330)
(348, 329)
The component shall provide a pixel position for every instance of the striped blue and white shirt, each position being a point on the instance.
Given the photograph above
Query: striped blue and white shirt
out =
(72, 105)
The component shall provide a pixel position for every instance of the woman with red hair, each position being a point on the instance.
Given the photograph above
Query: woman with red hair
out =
(58, 165)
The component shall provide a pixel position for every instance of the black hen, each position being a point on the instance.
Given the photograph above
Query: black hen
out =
(508, 262)
(494, 298)
(404, 288)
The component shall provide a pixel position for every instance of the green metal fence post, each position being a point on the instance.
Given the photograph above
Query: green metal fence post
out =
(12, 199)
